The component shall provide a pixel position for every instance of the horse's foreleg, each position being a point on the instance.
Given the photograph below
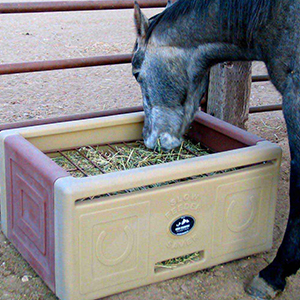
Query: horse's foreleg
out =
(272, 279)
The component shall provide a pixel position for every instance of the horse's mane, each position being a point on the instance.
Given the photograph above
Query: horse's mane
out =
(239, 16)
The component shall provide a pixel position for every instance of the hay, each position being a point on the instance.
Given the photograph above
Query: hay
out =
(96, 160)
(112, 158)
(179, 261)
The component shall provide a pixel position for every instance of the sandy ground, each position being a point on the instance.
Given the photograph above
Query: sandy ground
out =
(40, 95)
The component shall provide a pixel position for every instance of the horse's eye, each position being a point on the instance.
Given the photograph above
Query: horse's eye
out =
(136, 75)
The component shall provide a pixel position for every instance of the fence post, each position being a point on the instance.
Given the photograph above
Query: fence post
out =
(229, 92)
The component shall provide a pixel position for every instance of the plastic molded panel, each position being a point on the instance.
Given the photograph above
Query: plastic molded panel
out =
(29, 199)
(113, 246)
(240, 219)
(30, 210)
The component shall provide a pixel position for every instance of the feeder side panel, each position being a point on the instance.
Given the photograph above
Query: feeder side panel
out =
(30, 206)
(213, 139)
(218, 135)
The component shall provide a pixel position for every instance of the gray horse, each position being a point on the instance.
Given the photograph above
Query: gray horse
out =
(172, 56)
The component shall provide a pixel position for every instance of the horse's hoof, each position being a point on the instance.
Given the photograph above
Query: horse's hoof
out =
(260, 290)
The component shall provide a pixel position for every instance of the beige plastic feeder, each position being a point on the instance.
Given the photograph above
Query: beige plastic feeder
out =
(106, 245)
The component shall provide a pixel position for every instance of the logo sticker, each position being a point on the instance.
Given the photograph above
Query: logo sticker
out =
(182, 225)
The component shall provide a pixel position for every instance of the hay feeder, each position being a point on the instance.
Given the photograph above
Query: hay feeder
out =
(93, 236)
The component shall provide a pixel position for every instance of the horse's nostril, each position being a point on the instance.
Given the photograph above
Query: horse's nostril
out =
(168, 141)
(164, 149)
(149, 144)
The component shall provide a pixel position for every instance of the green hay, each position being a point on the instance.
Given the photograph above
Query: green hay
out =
(120, 157)
(179, 261)
(123, 157)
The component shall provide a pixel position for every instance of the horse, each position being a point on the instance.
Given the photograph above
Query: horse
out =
(173, 53)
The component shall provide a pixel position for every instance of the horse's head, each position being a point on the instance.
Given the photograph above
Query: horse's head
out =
(163, 73)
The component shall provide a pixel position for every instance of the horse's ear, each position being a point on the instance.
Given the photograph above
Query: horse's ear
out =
(169, 3)
(141, 22)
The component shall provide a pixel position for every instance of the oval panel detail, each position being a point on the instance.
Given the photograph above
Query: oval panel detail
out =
(182, 225)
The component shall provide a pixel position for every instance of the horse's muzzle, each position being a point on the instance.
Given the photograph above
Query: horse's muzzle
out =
(165, 141)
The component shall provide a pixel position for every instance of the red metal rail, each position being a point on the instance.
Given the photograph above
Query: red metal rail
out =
(49, 65)
(260, 78)
(56, 6)
(265, 108)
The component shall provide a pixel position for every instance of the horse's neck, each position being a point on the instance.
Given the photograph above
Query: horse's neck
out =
(189, 30)
(209, 43)
(204, 31)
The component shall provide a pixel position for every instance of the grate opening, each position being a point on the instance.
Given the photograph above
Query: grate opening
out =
(159, 184)
(177, 262)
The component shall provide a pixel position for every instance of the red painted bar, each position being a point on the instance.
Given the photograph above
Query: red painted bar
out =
(50, 65)
(56, 6)
(265, 108)
(260, 78)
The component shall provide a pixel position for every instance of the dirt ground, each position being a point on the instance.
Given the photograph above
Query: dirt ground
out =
(40, 95)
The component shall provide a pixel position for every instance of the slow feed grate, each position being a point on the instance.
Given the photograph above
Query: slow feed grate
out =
(102, 159)
(94, 160)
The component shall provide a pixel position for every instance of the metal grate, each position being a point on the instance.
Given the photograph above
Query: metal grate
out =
(94, 160)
